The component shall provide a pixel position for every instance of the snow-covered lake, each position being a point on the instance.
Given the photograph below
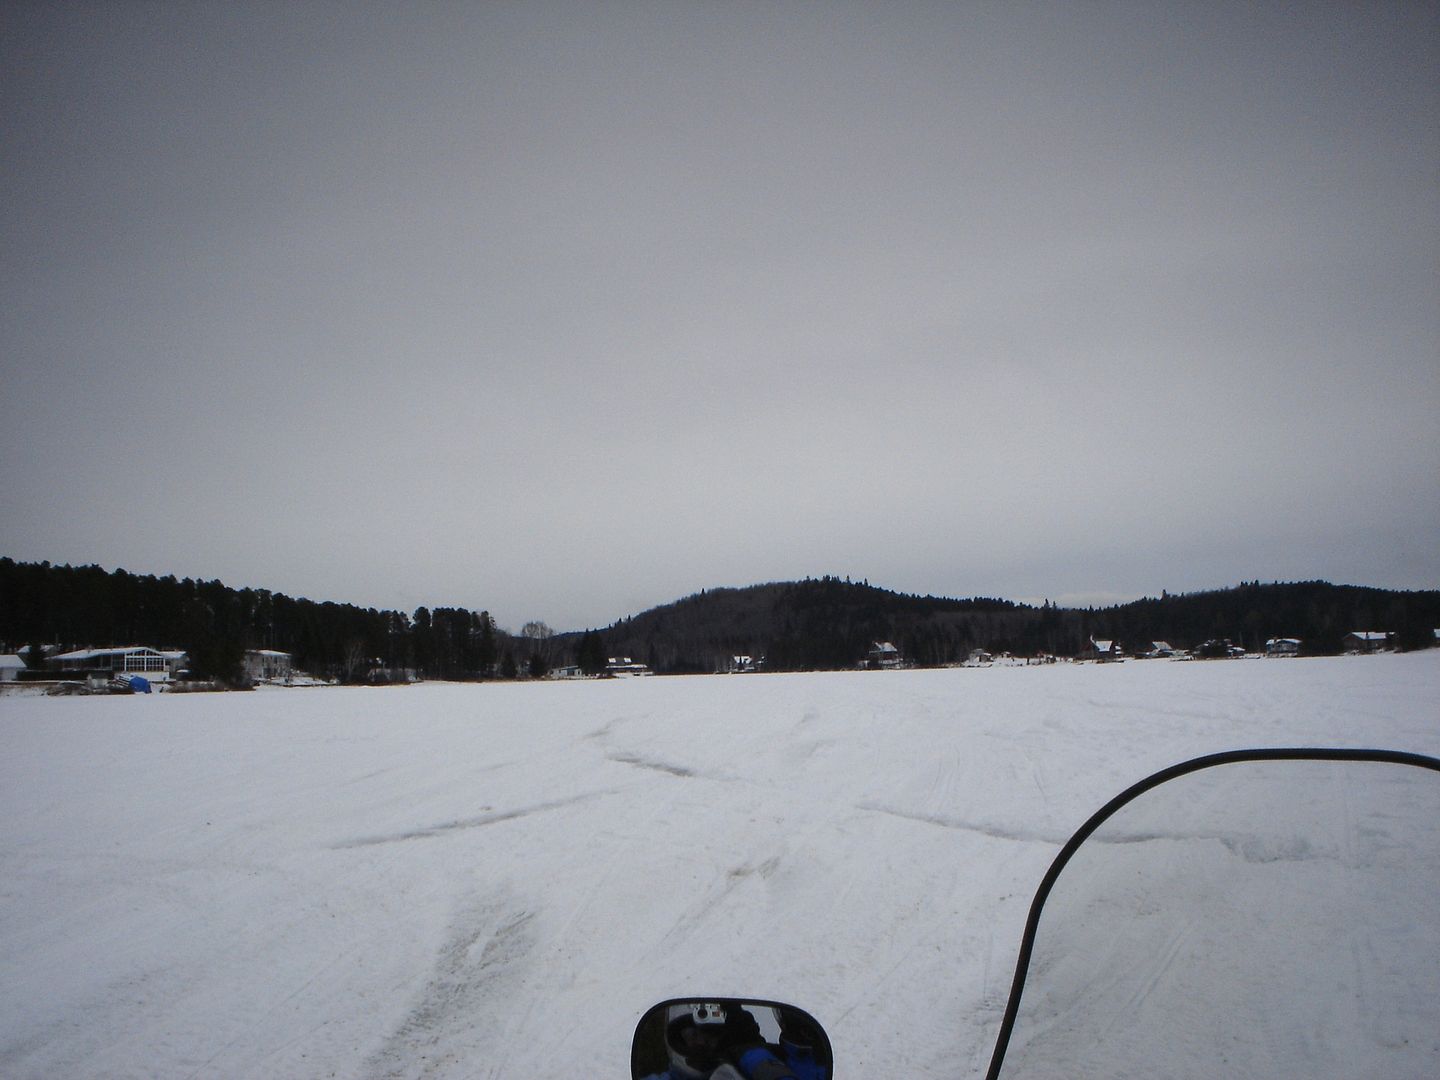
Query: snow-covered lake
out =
(496, 880)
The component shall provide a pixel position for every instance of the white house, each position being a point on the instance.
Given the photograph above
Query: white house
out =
(623, 666)
(133, 659)
(10, 667)
(263, 665)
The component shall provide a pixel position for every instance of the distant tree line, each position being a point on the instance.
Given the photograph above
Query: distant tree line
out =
(815, 624)
(1318, 613)
(215, 624)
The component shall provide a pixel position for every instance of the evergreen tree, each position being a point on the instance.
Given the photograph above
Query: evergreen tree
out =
(591, 655)
(487, 647)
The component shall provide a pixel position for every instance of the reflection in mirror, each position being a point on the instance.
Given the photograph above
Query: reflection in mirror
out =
(729, 1039)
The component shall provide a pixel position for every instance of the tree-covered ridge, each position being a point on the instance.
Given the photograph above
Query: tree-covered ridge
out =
(831, 623)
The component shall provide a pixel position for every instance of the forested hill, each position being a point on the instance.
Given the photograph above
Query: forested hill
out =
(831, 623)
(812, 624)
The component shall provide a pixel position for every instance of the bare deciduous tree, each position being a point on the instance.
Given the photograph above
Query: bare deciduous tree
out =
(538, 635)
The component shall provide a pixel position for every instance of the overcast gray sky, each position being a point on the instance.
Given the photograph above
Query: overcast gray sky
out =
(567, 310)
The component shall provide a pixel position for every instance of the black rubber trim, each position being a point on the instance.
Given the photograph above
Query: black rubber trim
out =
(1229, 757)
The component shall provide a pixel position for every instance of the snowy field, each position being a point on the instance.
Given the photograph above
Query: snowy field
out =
(497, 880)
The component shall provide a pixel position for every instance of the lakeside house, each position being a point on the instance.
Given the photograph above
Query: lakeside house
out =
(128, 660)
(625, 667)
(882, 654)
(268, 665)
(1218, 649)
(1104, 651)
(1282, 646)
(10, 667)
(1368, 641)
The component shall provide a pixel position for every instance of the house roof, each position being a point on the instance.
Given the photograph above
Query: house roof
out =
(1370, 635)
(11, 662)
(267, 652)
(95, 654)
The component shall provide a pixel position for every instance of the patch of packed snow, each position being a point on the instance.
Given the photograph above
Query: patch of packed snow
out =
(497, 880)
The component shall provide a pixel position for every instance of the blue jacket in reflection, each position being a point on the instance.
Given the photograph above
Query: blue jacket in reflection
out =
(764, 1063)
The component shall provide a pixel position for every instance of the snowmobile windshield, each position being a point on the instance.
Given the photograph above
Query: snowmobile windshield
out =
(1268, 914)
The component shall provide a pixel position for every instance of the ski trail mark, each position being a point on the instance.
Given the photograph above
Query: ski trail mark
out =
(992, 831)
(486, 952)
(477, 822)
(649, 763)
(764, 869)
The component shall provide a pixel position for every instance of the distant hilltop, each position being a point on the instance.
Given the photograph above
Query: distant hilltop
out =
(823, 623)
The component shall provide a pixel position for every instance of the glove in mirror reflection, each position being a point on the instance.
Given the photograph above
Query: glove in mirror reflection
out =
(729, 1039)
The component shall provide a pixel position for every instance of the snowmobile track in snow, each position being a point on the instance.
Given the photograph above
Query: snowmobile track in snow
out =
(476, 822)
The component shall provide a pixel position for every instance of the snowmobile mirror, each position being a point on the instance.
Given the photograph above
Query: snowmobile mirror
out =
(716, 1038)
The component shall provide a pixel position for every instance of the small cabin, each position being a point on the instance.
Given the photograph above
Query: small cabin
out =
(882, 654)
(1104, 651)
(1282, 646)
